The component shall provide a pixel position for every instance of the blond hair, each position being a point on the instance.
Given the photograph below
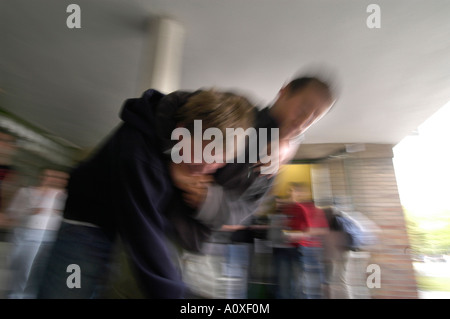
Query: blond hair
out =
(216, 109)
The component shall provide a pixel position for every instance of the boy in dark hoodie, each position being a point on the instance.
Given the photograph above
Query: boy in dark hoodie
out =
(122, 191)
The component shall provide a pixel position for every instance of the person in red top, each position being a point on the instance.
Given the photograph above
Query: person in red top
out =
(307, 225)
(285, 254)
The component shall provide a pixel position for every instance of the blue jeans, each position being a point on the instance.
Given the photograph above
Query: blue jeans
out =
(29, 248)
(312, 268)
(237, 263)
(87, 247)
(286, 272)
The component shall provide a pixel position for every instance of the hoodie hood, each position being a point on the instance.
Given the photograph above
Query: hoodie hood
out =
(165, 114)
(140, 112)
(154, 114)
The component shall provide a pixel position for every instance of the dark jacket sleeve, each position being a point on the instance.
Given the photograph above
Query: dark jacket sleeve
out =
(142, 190)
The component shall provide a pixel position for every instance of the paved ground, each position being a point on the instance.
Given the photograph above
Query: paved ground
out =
(433, 269)
(434, 294)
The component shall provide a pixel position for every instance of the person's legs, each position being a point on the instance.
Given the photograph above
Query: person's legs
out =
(301, 274)
(339, 277)
(293, 273)
(39, 264)
(26, 243)
(284, 261)
(328, 266)
(83, 246)
(279, 266)
(237, 260)
(312, 267)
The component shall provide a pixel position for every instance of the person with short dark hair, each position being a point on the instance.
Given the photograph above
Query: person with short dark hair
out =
(37, 211)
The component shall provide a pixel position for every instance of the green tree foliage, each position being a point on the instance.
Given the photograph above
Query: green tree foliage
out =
(429, 233)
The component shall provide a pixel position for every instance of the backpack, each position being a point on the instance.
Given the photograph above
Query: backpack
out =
(355, 235)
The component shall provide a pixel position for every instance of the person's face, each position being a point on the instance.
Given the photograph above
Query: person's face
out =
(7, 144)
(294, 194)
(299, 194)
(296, 112)
(55, 179)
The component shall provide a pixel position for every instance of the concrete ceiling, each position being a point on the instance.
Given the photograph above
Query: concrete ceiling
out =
(72, 82)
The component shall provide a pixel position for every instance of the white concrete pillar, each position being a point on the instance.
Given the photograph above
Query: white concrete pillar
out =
(161, 63)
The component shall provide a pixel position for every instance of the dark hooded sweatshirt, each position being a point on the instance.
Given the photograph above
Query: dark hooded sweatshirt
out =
(124, 188)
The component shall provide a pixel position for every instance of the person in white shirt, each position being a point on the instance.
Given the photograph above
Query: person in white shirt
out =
(37, 212)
